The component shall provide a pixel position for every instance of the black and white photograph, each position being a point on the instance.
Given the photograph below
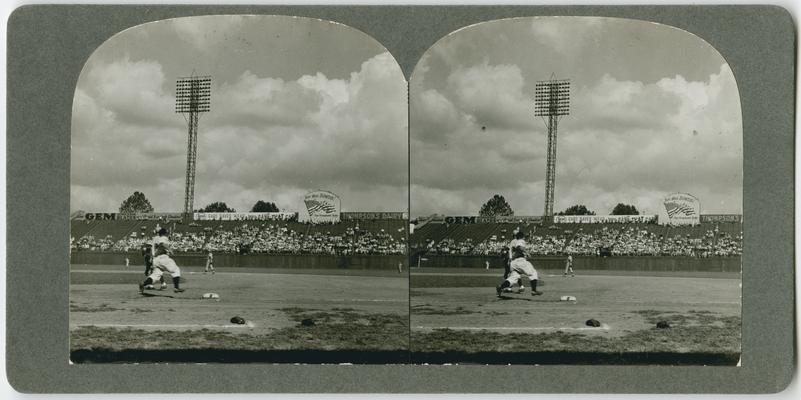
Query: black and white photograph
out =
(576, 196)
(239, 193)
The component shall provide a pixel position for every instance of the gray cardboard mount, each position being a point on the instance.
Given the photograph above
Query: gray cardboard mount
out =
(48, 45)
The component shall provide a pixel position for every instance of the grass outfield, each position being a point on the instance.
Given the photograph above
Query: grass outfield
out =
(456, 318)
(358, 318)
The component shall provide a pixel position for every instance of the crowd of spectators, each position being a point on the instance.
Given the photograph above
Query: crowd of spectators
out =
(627, 241)
(277, 238)
(539, 245)
(712, 244)
(449, 246)
(91, 243)
(260, 238)
(608, 241)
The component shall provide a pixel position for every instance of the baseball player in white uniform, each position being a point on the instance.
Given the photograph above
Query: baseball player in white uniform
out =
(519, 266)
(209, 263)
(519, 240)
(569, 266)
(162, 263)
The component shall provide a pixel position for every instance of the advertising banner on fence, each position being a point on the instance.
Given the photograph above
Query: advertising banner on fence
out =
(100, 216)
(517, 219)
(461, 219)
(680, 209)
(323, 206)
(498, 219)
(373, 215)
(604, 219)
(152, 216)
(722, 218)
(246, 216)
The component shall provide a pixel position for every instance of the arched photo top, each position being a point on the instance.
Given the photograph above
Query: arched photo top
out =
(201, 142)
(294, 104)
(649, 110)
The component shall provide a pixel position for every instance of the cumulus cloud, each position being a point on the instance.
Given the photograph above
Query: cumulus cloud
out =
(265, 138)
(124, 129)
(493, 94)
(621, 105)
(625, 141)
(134, 91)
(255, 101)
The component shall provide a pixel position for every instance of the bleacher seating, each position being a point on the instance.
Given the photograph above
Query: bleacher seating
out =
(621, 239)
(352, 236)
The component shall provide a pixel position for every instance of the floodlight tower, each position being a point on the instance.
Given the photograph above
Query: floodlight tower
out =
(551, 102)
(192, 97)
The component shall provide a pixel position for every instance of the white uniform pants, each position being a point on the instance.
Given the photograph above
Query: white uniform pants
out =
(521, 266)
(162, 264)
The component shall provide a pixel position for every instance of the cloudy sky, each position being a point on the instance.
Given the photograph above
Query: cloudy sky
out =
(297, 105)
(654, 110)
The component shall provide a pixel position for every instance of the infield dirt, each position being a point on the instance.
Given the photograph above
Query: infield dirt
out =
(359, 317)
(457, 317)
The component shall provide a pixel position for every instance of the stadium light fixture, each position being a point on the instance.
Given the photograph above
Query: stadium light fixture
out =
(192, 97)
(551, 102)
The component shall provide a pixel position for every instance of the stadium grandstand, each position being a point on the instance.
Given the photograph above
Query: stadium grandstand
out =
(385, 236)
(706, 239)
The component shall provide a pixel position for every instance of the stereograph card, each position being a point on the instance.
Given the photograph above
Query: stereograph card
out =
(400, 199)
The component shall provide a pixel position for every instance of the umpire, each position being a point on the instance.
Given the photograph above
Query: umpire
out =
(147, 253)
(506, 260)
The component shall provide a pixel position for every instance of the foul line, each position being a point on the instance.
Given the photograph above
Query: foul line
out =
(603, 327)
(284, 300)
(366, 300)
(248, 324)
(612, 274)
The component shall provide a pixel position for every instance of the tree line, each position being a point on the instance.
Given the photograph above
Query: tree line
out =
(498, 206)
(495, 206)
(138, 203)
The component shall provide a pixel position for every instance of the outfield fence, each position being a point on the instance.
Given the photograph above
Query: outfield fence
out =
(614, 263)
(227, 260)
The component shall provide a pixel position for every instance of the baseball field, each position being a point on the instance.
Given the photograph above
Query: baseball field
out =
(352, 316)
(362, 316)
(456, 317)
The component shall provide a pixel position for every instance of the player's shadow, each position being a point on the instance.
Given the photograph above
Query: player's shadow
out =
(146, 294)
(504, 298)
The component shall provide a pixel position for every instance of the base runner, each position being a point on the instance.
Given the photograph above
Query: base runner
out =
(147, 254)
(507, 259)
(162, 263)
(518, 267)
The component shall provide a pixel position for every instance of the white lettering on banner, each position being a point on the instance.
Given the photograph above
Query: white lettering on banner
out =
(127, 216)
(249, 216)
(151, 216)
(519, 219)
(508, 219)
(722, 218)
(604, 219)
(373, 215)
